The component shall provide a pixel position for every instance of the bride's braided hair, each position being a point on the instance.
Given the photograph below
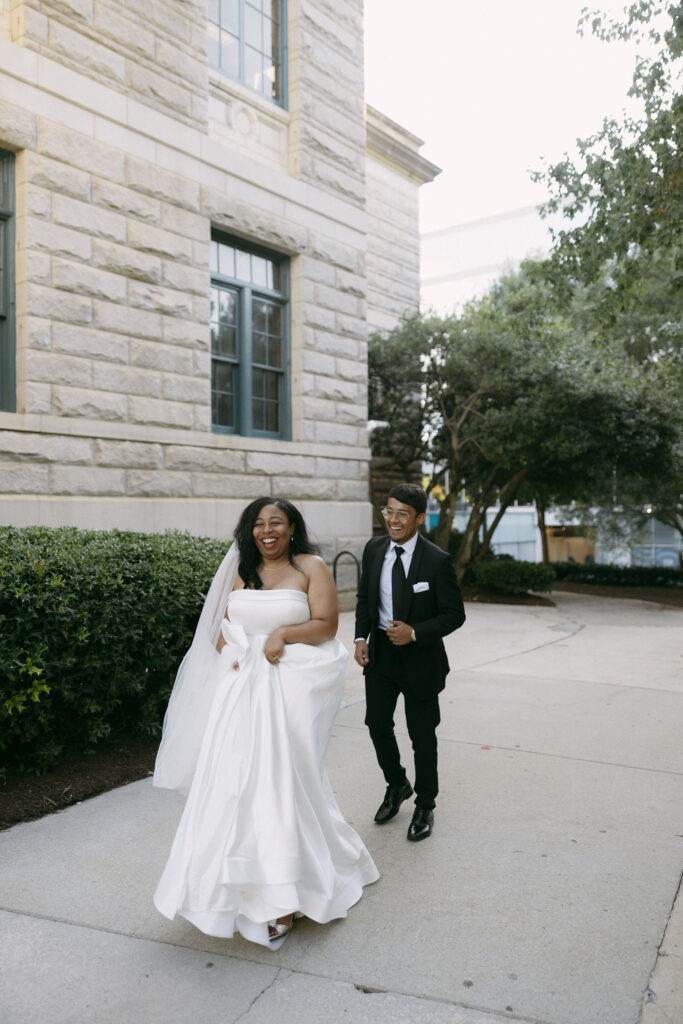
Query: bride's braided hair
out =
(250, 556)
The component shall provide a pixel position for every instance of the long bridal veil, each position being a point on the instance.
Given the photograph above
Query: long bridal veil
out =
(193, 690)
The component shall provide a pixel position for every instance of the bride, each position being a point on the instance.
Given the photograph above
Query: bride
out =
(261, 840)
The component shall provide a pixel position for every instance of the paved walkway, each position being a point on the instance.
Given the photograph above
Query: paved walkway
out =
(547, 893)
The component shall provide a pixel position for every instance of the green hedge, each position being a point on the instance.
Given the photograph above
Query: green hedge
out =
(618, 575)
(504, 575)
(93, 626)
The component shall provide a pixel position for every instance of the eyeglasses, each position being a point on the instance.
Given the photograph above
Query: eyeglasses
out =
(394, 513)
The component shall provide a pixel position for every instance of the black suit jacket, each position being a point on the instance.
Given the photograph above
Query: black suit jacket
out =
(433, 612)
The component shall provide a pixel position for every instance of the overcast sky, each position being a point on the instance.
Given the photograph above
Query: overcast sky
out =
(491, 86)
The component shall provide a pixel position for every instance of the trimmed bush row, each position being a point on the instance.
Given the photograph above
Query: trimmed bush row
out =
(93, 626)
(618, 575)
(504, 575)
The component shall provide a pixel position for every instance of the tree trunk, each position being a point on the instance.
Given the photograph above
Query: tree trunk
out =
(477, 516)
(444, 526)
(506, 496)
(540, 518)
(464, 556)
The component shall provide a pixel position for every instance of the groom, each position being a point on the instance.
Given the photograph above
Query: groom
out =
(408, 600)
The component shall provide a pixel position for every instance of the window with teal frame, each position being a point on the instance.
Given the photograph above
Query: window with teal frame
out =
(8, 379)
(250, 386)
(246, 41)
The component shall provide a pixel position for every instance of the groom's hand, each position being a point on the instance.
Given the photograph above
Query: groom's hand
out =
(399, 633)
(361, 655)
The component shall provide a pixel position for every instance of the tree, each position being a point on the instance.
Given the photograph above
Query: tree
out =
(620, 259)
(623, 196)
(514, 403)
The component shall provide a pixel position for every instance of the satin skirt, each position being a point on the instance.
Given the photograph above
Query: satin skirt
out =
(261, 835)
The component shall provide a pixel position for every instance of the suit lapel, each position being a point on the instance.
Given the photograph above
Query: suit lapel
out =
(379, 554)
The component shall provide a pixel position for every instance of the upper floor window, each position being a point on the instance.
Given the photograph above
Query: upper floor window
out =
(249, 339)
(8, 398)
(246, 42)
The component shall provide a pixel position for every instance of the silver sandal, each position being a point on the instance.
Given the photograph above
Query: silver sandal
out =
(282, 930)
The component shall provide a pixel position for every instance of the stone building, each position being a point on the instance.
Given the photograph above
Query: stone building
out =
(199, 221)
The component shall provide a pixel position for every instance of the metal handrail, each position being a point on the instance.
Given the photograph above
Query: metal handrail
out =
(334, 567)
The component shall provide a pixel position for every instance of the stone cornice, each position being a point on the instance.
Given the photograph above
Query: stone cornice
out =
(393, 144)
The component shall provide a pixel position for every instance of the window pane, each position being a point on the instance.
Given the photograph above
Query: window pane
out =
(213, 310)
(276, 283)
(268, 30)
(227, 341)
(273, 417)
(213, 47)
(253, 67)
(243, 265)
(259, 317)
(224, 410)
(272, 8)
(228, 306)
(259, 348)
(270, 84)
(3, 311)
(230, 16)
(275, 352)
(230, 55)
(212, 10)
(265, 401)
(252, 27)
(275, 320)
(259, 271)
(213, 258)
(223, 394)
(226, 260)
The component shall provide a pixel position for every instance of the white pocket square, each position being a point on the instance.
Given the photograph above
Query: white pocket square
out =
(419, 587)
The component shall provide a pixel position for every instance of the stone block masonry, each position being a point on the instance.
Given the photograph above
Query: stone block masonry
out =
(123, 169)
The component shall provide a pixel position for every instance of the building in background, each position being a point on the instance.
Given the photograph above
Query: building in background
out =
(198, 221)
(462, 261)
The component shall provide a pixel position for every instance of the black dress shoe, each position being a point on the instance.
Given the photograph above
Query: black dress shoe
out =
(393, 798)
(421, 825)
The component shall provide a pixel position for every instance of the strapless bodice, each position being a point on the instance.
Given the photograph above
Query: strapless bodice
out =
(259, 612)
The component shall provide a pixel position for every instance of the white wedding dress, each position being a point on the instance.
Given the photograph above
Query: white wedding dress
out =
(261, 835)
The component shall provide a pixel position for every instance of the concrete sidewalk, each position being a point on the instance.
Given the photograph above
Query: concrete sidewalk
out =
(547, 893)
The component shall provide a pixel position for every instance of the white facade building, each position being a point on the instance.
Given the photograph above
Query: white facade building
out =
(200, 220)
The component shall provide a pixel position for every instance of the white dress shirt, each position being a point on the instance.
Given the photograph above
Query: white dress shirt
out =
(386, 611)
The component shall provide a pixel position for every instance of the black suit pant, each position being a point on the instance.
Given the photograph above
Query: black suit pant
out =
(384, 682)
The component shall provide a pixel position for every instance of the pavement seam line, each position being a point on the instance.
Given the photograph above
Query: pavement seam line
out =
(263, 991)
(648, 988)
(534, 753)
(624, 687)
(281, 970)
(529, 650)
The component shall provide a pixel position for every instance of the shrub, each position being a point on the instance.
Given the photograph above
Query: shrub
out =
(93, 626)
(618, 575)
(454, 539)
(504, 575)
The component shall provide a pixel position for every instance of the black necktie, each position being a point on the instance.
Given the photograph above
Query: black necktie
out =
(398, 583)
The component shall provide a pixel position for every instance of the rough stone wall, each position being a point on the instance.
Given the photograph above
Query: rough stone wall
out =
(115, 204)
(326, 96)
(393, 252)
(112, 289)
(153, 51)
(120, 180)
